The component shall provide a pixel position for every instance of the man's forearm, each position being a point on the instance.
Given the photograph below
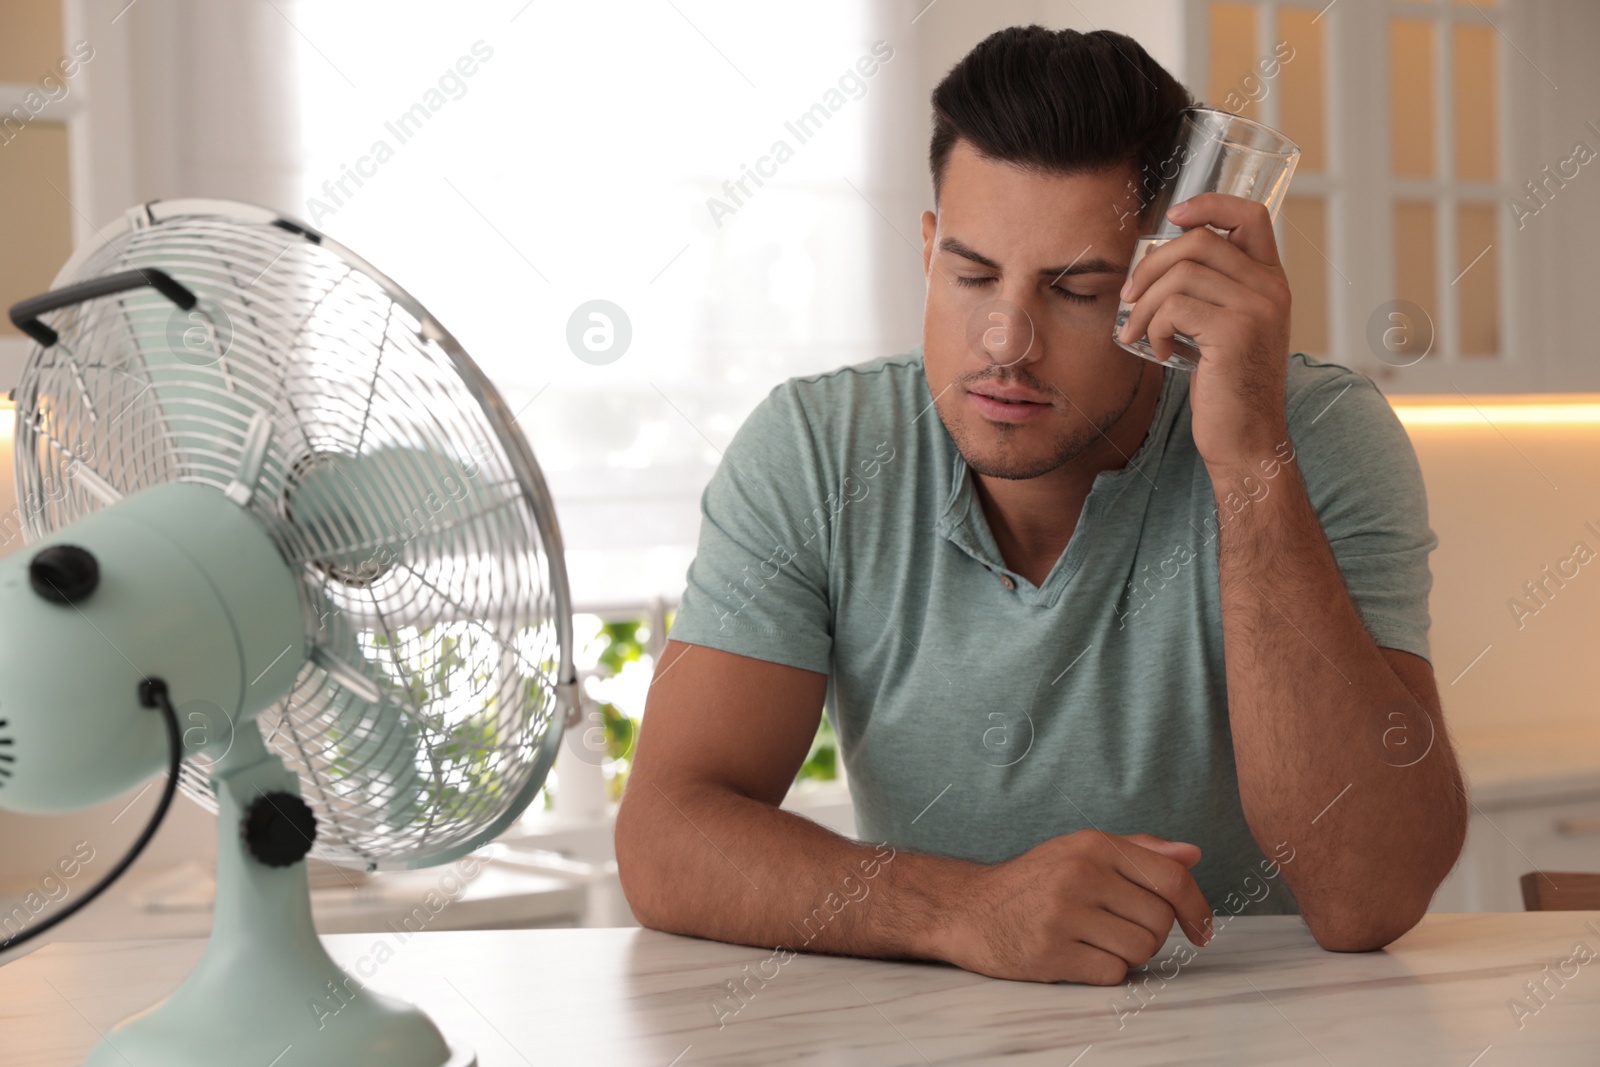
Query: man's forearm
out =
(1335, 755)
(708, 862)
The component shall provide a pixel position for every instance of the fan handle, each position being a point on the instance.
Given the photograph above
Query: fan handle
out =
(25, 314)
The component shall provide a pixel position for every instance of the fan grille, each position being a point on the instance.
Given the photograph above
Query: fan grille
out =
(8, 755)
(408, 506)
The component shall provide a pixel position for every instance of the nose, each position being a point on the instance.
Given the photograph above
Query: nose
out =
(1001, 332)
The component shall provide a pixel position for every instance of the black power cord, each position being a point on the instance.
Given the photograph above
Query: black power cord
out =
(152, 694)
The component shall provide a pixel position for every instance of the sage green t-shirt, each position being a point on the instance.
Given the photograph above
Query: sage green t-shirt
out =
(979, 714)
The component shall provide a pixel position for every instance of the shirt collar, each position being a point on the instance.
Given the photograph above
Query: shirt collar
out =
(962, 522)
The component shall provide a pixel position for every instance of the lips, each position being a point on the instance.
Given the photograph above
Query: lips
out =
(1009, 396)
(1007, 405)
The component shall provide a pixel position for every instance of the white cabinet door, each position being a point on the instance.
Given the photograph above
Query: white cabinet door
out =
(1504, 843)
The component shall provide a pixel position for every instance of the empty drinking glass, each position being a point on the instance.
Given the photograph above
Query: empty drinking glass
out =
(1217, 151)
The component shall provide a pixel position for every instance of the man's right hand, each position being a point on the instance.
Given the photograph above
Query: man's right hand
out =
(1083, 907)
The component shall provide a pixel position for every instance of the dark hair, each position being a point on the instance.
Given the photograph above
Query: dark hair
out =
(1061, 102)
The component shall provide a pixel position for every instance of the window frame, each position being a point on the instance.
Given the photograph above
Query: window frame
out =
(1360, 190)
(75, 112)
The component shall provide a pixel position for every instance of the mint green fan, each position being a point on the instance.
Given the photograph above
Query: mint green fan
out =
(286, 541)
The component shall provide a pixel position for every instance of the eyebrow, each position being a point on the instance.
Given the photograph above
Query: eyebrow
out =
(1080, 265)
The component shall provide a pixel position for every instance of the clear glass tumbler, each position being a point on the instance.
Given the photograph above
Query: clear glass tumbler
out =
(1217, 152)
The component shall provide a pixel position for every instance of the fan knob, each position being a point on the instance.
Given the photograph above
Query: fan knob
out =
(64, 574)
(279, 829)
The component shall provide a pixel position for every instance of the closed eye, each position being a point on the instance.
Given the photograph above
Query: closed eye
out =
(978, 281)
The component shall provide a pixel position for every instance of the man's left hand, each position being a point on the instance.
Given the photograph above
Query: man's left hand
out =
(1231, 296)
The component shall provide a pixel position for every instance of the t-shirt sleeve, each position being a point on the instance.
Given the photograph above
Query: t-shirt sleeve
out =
(758, 585)
(1364, 481)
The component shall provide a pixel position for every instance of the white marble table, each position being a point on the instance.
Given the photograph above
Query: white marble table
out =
(1263, 992)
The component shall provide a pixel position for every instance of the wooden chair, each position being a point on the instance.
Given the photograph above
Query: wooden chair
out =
(1560, 891)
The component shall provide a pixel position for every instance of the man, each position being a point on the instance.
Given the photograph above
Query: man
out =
(1107, 645)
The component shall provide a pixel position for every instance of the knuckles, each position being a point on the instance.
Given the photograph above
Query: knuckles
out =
(1150, 946)
(1103, 971)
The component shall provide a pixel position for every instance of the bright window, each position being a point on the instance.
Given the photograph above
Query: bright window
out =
(622, 152)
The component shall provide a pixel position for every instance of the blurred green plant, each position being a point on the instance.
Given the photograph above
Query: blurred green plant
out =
(426, 670)
(822, 762)
(626, 641)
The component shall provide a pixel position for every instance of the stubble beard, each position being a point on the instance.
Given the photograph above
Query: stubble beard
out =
(999, 460)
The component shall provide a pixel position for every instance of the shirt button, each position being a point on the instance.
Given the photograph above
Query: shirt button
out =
(1005, 580)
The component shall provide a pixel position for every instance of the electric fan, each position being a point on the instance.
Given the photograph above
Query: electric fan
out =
(271, 500)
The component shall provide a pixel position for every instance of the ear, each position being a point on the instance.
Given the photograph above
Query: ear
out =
(930, 226)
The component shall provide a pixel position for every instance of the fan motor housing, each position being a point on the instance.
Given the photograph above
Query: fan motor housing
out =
(190, 589)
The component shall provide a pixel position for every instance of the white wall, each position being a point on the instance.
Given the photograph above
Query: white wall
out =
(1506, 503)
(1565, 235)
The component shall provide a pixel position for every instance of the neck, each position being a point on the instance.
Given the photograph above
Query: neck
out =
(1032, 519)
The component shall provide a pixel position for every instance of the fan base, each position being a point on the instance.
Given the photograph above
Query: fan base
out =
(266, 993)
(133, 1049)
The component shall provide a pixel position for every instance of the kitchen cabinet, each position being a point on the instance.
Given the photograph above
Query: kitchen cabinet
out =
(1535, 807)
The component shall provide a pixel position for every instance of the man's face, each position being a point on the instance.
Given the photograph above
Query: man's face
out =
(1023, 272)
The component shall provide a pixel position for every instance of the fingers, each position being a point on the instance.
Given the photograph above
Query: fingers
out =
(1205, 323)
(1130, 942)
(1195, 281)
(1248, 223)
(1199, 246)
(1171, 881)
(1083, 907)
(1095, 966)
(1139, 905)
(1182, 851)
(1203, 287)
